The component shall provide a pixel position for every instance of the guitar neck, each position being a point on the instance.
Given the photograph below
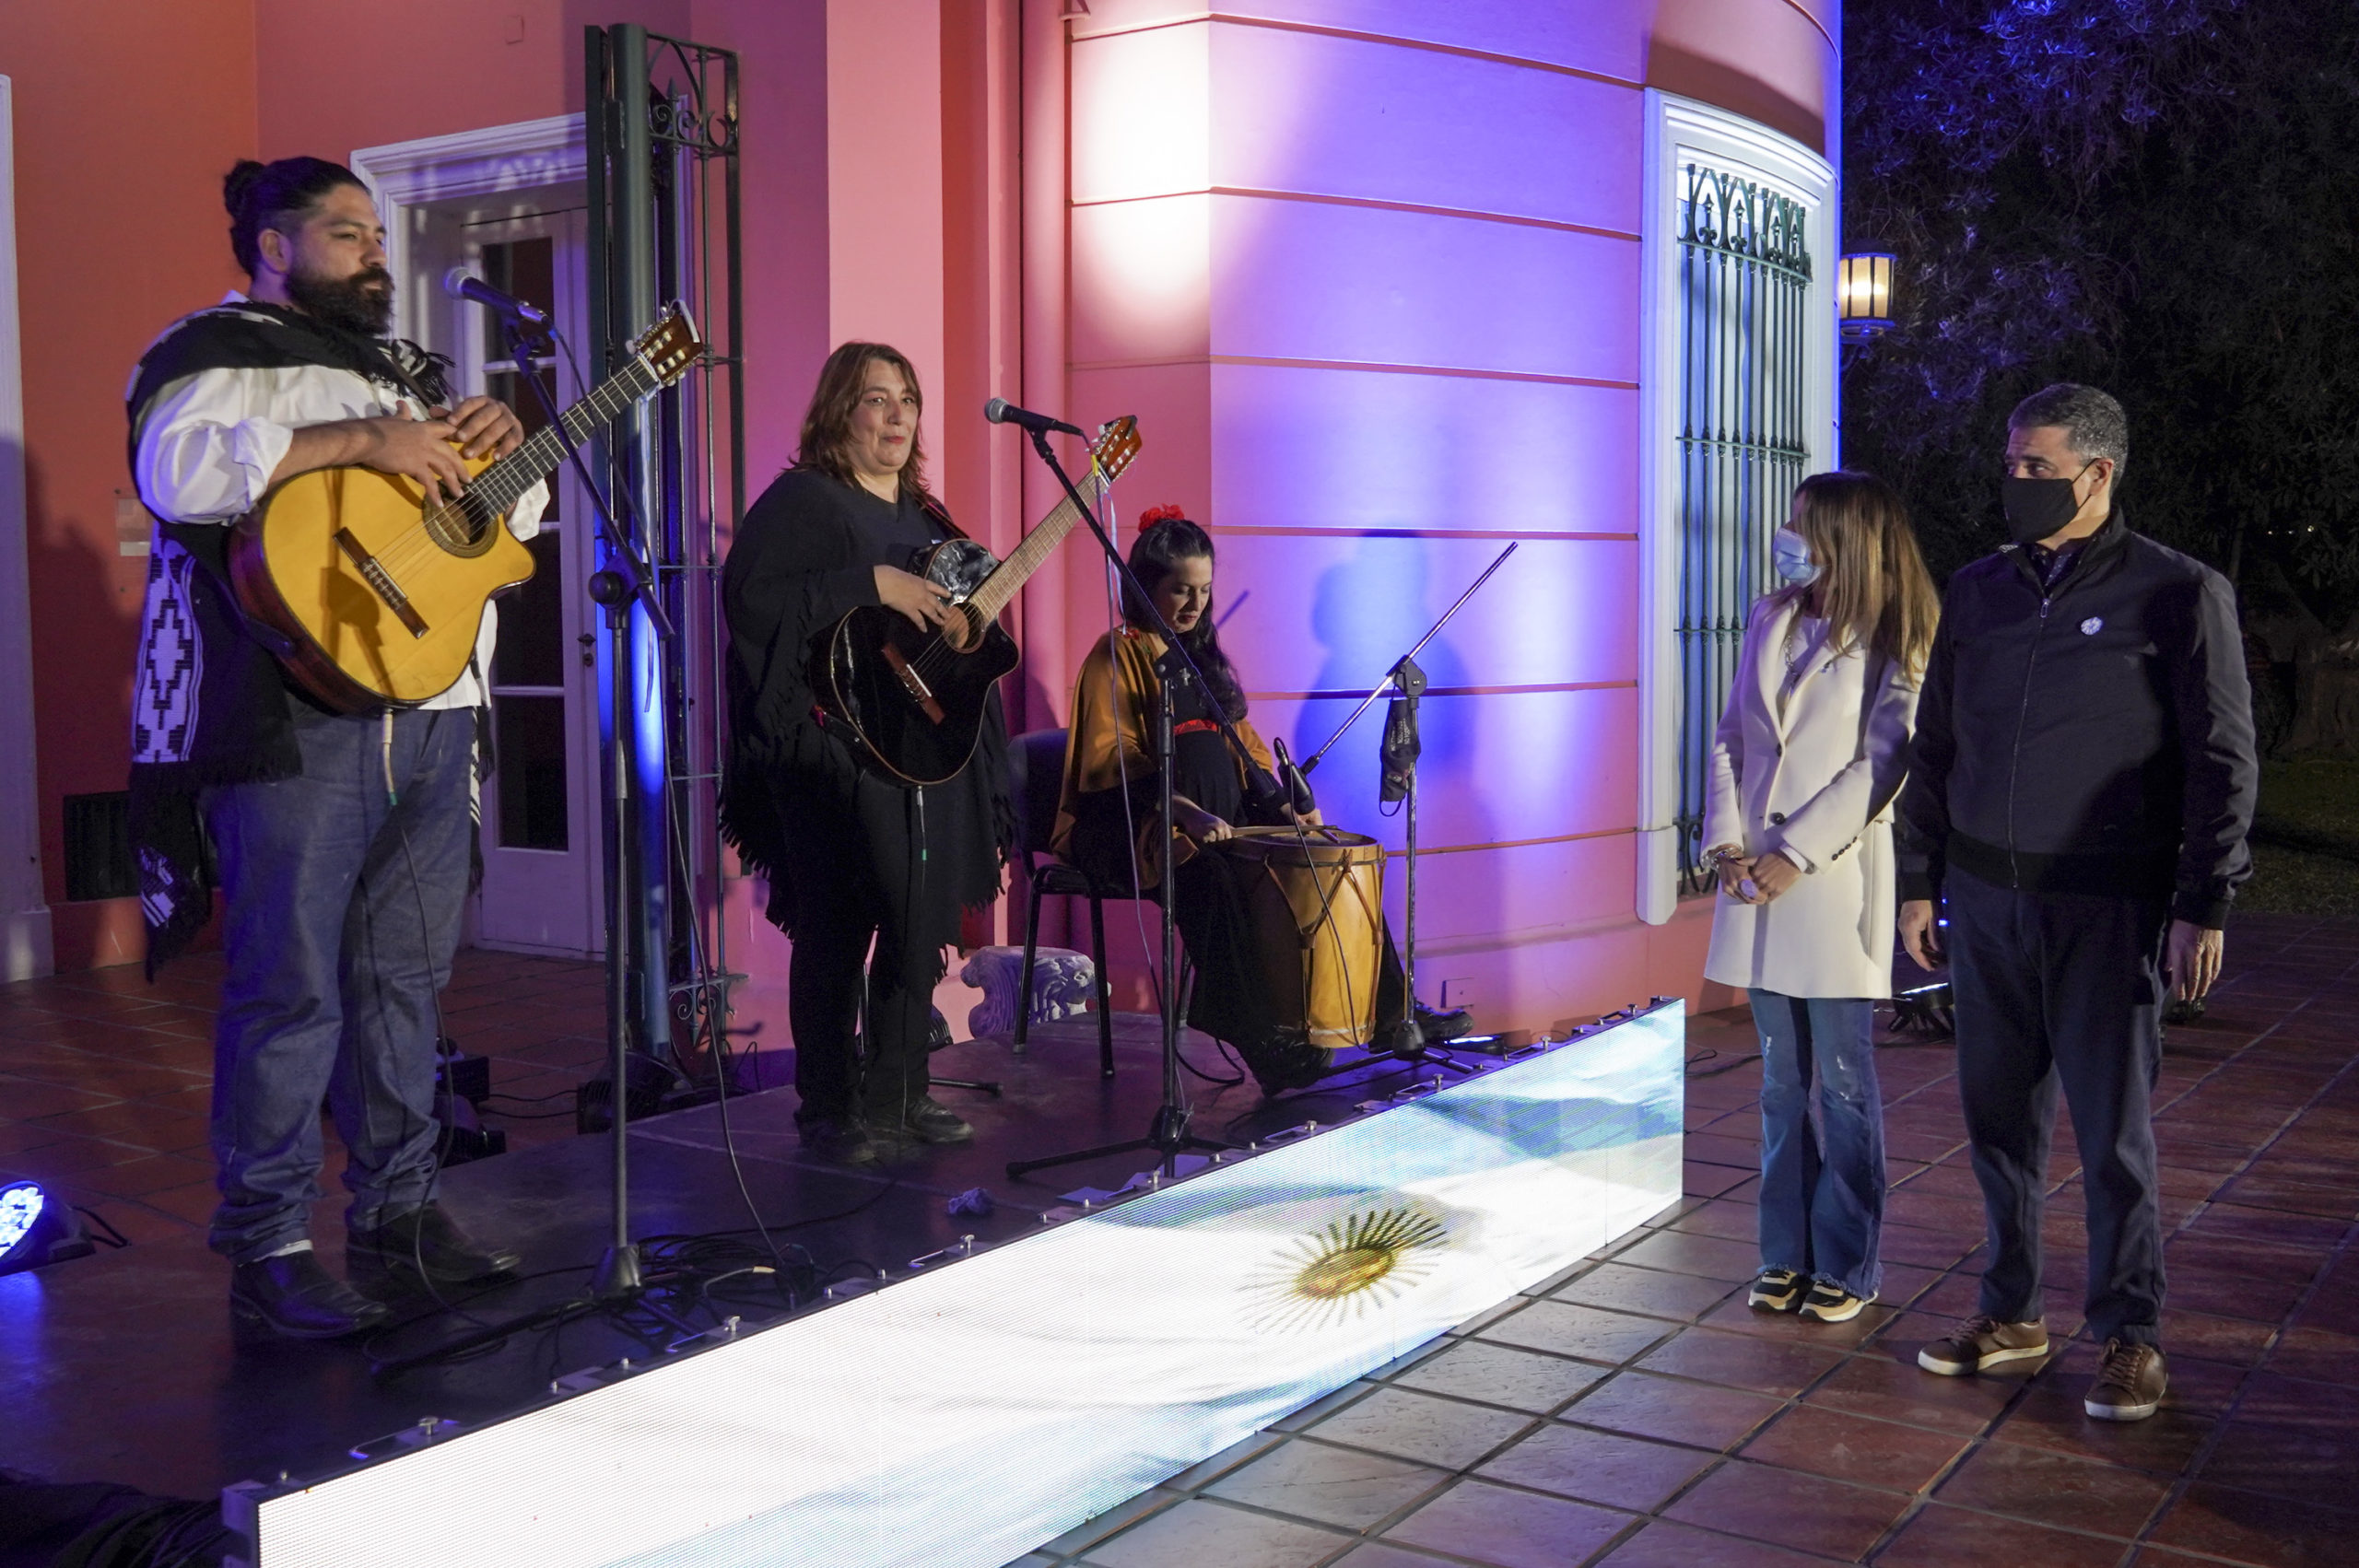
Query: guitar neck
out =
(499, 485)
(1008, 577)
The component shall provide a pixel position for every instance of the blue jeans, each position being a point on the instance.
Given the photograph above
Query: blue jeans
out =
(1822, 1187)
(340, 917)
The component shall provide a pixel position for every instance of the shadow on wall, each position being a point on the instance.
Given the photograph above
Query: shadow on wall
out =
(85, 613)
(1364, 614)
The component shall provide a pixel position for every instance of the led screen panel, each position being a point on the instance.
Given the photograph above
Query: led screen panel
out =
(961, 1417)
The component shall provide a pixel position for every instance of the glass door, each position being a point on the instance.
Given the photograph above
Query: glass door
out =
(540, 827)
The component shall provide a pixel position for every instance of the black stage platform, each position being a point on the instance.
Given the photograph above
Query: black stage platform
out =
(125, 1367)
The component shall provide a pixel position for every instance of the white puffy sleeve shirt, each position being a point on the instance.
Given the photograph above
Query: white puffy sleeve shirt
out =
(209, 443)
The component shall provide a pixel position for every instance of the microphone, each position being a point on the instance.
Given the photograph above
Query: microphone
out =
(1297, 787)
(461, 283)
(999, 411)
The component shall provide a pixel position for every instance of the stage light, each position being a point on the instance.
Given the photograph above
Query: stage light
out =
(36, 1228)
(1863, 294)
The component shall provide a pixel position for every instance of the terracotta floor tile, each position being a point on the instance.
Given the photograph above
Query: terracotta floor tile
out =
(16, 1137)
(1598, 1466)
(2269, 1532)
(1648, 1292)
(1667, 1545)
(1513, 1529)
(28, 1099)
(1871, 1384)
(1681, 1253)
(1373, 1554)
(1200, 1532)
(155, 1173)
(2313, 1459)
(1669, 1410)
(1728, 1221)
(193, 1204)
(1734, 1316)
(1786, 1508)
(2324, 1355)
(2057, 1489)
(1738, 1361)
(1926, 1249)
(2165, 1442)
(1940, 1536)
(1569, 1328)
(72, 1157)
(1411, 1425)
(1501, 1375)
(1854, 1448)
(1328, 1485)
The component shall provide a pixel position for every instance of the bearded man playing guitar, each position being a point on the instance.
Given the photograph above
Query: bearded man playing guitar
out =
(854, 851)
(341, 841)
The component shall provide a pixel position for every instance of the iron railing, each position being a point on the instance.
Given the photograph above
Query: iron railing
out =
(1745, 277)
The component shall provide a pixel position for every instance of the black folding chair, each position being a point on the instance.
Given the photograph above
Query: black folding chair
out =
(1036, 769)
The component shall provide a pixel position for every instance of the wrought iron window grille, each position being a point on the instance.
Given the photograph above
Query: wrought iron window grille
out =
(1745, 290)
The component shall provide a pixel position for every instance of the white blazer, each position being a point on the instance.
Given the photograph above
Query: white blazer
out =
(1817, 780)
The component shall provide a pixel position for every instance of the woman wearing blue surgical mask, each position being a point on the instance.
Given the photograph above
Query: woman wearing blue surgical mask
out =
(1809, 754)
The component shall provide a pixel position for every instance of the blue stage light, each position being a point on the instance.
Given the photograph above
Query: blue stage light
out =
(36, 1228)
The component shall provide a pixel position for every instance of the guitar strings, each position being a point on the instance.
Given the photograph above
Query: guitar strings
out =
(936, 656)
(496, 488)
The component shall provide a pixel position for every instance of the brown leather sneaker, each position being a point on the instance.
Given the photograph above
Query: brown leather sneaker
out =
(2130, 1382)
(1984, 1341)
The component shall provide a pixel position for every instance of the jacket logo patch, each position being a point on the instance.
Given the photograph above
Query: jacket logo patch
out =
(2092, 625)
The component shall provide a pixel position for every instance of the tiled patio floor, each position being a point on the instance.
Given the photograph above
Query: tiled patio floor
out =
(1632, 1411)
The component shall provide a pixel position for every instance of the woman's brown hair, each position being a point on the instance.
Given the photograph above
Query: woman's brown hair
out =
(825, 442)
(1872, 588)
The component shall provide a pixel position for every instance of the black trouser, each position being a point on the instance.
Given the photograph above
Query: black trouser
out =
(860, 881)
(2061, 989)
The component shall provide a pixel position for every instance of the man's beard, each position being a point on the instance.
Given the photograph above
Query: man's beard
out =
(361, 303)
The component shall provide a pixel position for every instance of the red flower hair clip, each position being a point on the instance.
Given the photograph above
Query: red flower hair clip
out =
(1154, 515)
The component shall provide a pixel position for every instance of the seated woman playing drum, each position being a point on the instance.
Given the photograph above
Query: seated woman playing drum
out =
(1108, 825)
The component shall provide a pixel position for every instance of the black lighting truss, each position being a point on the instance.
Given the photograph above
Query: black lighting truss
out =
(1746, 332)
(663, 138)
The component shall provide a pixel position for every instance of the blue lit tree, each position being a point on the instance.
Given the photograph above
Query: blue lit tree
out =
(2157, 196)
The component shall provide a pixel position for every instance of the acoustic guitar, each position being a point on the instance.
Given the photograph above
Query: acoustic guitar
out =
(915, 697)
(369, 599)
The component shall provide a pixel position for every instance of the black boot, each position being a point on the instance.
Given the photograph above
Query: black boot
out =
(293, 1296)
(926, 1119)
(425, 1246)
(1439, 1027)
(839, 1140)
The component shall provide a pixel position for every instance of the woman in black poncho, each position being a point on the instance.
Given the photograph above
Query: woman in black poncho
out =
(837, 839)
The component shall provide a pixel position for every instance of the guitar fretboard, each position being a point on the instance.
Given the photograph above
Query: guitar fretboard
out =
(495, 490)
(1009, 574)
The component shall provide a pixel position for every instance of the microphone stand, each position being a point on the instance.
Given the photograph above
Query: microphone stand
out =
(1168, 1134)
(617, 1280)
(1401, 746)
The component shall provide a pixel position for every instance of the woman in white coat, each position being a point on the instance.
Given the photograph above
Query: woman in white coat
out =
(1805, 763)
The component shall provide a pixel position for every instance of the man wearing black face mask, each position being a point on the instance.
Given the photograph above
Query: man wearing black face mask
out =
(2083, 781)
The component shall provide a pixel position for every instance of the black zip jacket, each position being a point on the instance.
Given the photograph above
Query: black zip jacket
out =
(2095, 736)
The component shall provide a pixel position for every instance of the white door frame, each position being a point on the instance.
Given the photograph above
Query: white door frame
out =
(496, 160)
(25, 946)
(1678, 128)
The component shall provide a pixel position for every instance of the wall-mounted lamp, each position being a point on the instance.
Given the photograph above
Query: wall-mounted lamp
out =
(1863, 295)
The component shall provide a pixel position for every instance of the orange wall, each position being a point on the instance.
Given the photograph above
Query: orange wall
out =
(128, 112)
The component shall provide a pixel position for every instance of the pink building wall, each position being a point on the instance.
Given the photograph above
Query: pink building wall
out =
(1369, 272)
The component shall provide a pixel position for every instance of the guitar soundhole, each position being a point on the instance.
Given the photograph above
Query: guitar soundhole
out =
(464, 527)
